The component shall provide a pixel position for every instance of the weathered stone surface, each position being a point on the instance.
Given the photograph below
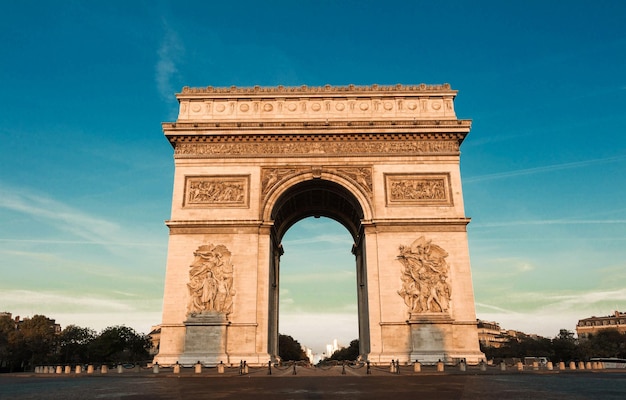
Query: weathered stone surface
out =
(251, 161)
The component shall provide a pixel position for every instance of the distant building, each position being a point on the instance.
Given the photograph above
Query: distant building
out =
(155, 339)
(18, 321)
(590, 326)
(309, 354)
(332, 348)
(490, 334)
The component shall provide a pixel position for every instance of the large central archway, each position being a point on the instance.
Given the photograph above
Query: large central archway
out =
(383, 161)
(316, 198)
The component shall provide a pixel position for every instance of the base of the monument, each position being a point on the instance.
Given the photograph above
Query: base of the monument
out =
(434, 338)
(205, 339)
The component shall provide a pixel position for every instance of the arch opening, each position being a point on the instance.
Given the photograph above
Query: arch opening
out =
(318, 294)
(315, 198)
(318, 198)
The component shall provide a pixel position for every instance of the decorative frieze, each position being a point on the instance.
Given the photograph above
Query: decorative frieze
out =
(217, 191)
(418, 189)
(272, 149)
(360, 176)
(280, 89)
(425, 287)
(355, 102)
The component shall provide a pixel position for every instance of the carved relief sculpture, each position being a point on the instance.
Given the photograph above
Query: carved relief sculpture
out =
(183, 149)
(220, 191)
(271, 176)
(425, 287)
(210, 281)
(362, 176)
(422, 189)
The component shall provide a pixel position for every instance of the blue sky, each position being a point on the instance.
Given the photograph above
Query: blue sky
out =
(86, 174)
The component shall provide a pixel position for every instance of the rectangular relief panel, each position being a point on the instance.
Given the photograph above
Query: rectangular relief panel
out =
(418, 190)
(211, 191)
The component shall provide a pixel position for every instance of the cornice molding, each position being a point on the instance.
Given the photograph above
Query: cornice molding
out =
(326, 89)
(325, 103)
(462, 125)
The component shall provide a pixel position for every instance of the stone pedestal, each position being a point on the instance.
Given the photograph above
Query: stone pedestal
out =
(205, 339)
(428, 337)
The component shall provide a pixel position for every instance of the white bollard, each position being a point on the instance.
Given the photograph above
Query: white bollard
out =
(440, 366)
(104, 369)
(120, 368)
(198, 368)
(550, 366)
(155, 368)
(502, 366)
(572, 365)
(90, 369)
(78, 369)
(177, 368)
(561, 366)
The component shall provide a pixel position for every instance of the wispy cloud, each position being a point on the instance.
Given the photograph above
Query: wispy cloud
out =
(83, 310)
(545, 313)
(315, 330)
(547, 222)
(20, 299)
(169, 53)
(81, 242)
(44, 208)
(89, 229)
(322, 277)
(334, 239)
(543, 169)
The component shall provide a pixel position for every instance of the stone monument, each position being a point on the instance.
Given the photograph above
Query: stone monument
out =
(381, 160)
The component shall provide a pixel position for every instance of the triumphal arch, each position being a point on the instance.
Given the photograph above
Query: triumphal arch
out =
(381, 160)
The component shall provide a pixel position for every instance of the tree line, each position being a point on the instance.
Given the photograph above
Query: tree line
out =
(290, 349)
(564, 347)
(33, 342)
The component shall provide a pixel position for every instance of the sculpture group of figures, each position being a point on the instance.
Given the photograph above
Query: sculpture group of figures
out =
(215, 191)
(211, 281)
(425, 286)
(418, 189)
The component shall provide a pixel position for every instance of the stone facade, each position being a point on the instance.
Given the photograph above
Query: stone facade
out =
(593, 325)
(381, 160)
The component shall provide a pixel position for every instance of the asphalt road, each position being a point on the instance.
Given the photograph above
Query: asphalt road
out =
(570, 386)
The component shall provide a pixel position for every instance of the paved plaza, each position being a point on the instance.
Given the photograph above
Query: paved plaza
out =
(315, 383)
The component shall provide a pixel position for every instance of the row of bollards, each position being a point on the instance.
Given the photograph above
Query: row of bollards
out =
(394, 366)
(78, 369)
(197, 368)
(156, 368)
